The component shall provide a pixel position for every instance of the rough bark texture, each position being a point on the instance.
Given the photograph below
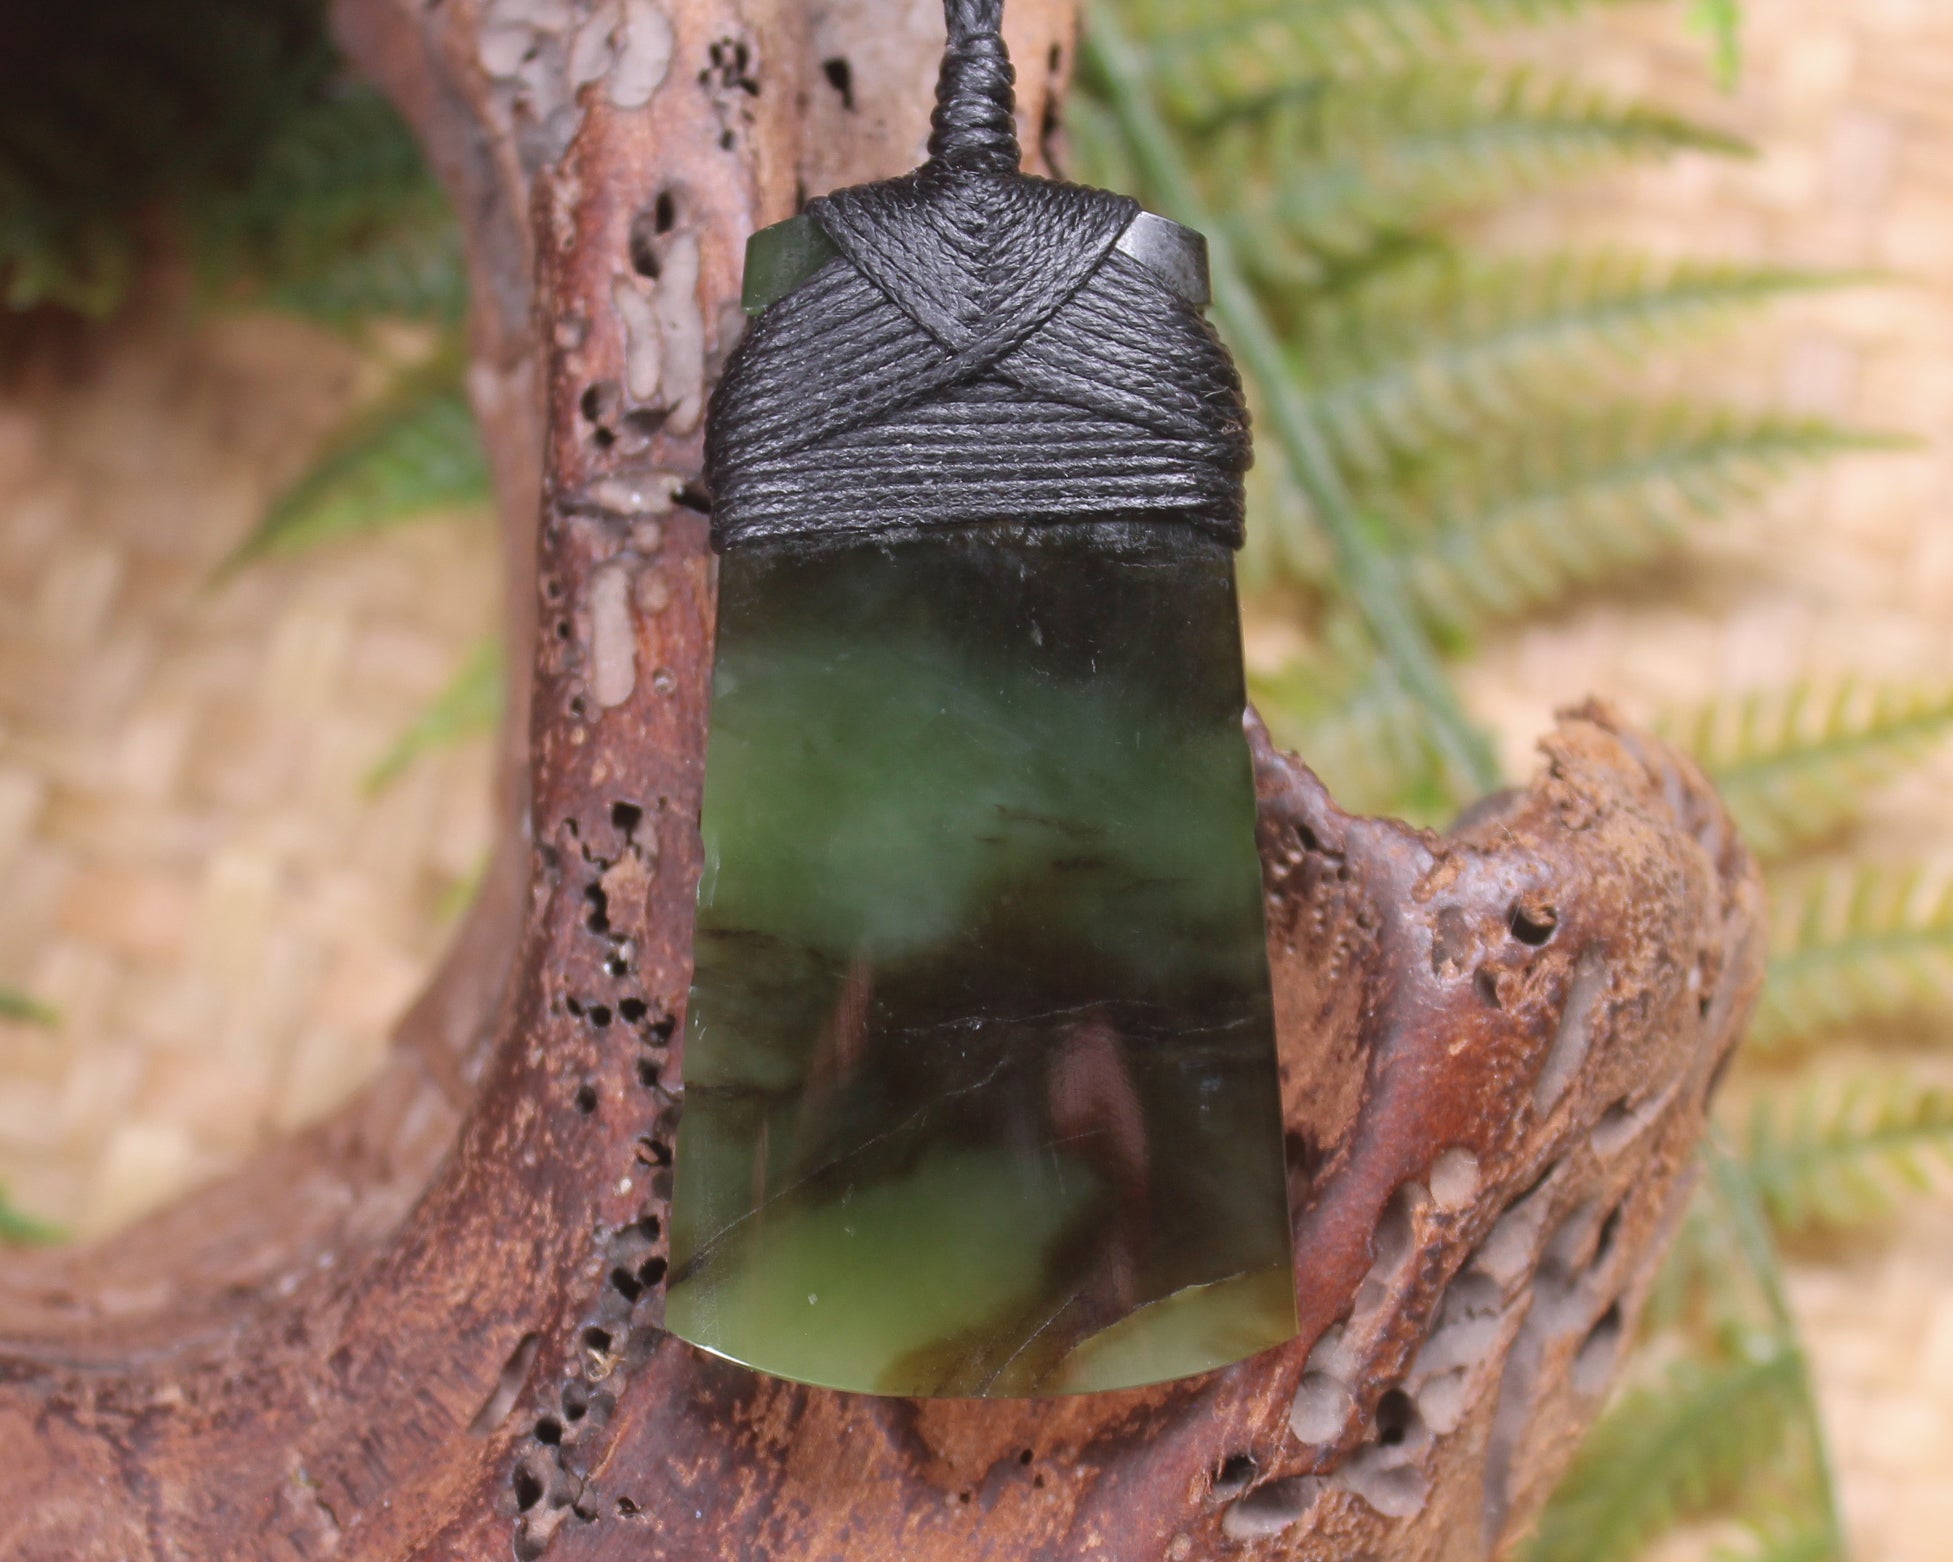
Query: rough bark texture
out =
(424, 1328)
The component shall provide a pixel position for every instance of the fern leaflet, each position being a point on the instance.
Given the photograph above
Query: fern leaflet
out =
(1818, 1161)
(1230, 51)
(1855, 945)
(1518, 521)
(1326, 169)
(25, 1010)
(469, 705)
(1795, 765)
(1284, 545)
(1722, 21)
(410, 265)
(1438, 350)
(415, 450)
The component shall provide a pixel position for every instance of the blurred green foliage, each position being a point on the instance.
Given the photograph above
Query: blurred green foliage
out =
(18, 1006)
(1722, 22)
(468, 706)
(410, 452)
(226, 130)
(16, 1227)
(114, 111)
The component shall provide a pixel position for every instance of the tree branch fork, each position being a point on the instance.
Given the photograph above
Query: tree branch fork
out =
(428, 1327)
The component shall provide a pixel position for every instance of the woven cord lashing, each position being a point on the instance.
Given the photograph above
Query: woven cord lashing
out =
(977, 352)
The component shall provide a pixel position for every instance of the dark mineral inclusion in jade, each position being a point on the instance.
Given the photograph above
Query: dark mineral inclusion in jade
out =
(980, 1078)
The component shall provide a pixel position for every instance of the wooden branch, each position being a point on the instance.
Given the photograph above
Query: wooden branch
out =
(402, 1334)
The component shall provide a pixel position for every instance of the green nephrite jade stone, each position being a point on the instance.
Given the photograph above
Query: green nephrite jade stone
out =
(980, 1078)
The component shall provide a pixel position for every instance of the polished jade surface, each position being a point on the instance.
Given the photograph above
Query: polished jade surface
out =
(980, 1080)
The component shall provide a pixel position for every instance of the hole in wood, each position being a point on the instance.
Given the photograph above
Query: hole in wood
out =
(601, 401)
(840, 76)
(1235, 1475)
(1395, 1416)
(626, 1284)
(1533, 925)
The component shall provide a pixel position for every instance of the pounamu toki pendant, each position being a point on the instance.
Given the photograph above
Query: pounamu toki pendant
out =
(979, 1068)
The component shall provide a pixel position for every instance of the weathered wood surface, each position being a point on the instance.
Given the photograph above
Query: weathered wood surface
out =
(428, 1327)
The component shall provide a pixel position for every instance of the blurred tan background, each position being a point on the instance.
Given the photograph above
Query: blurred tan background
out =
(196, 877)
(195, 874)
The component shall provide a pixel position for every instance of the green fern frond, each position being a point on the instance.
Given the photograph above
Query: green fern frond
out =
(1437, 351)
(1230, 51)
(1516, 522)
(1664, 1454)
(470, 704)
(1823, 1158)
(340, 219)
(1748, 1260)
(415, 450)
(1796, 765)
(1364, 578)
(26, 1010)
(1855, 945)
(1327, 169)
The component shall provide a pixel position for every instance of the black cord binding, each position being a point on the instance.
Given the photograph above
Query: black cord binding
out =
(977, 351)
(975, 123)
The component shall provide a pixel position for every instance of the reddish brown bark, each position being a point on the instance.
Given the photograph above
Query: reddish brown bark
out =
(398, 1335)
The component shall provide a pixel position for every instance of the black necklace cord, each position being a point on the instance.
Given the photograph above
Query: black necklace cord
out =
(976, 346)
(974, 127)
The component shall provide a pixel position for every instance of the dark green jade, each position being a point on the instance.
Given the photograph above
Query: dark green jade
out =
(980, 1076)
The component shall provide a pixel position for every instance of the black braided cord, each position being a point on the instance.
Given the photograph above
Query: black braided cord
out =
(977, 352)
